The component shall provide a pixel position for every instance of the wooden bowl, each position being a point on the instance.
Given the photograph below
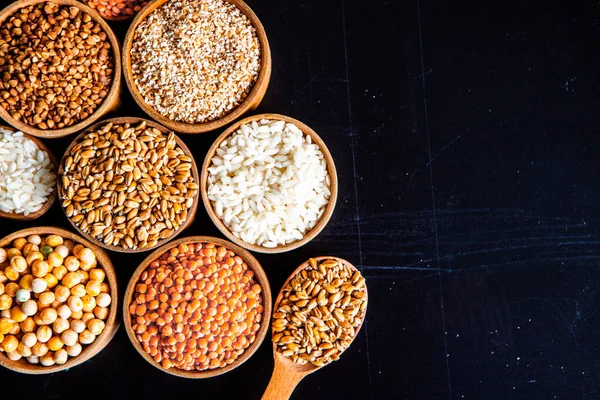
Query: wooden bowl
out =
(260, 275)
(310, 235)
(112, 100)
(250, 102)
(133, 121)
(51, 198)
(112, 325)
(287, 374)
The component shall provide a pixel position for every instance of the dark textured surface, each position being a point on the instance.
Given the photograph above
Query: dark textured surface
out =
(465, 138)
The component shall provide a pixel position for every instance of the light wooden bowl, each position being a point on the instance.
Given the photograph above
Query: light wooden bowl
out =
(250, 102)
(261, 277)
(287, 374)
(133, 121)
(51, 198)
(112, 324)
(310, 235)
(112, 100)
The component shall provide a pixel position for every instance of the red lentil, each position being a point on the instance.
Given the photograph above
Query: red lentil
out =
(197, 307)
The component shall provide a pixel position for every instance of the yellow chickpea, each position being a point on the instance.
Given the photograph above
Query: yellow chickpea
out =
(3, 277)
(83, 275)
(51, 280)
(71, 279)
(15, 330)
(46, 298)
(25, 282)
(39, 349)
(60, 325)
(97, 274)
(18, 264)
(55, 304)
(104, 288)
(29, 339)
(43, 334)
(30, 307)
(101, 312)
(10, 343)
(33, 360)
(1, 288)
(59, 272)
(40, 268)
(6, 325)
(96, 326)
(74, 350)
(33, 257)
(23, 350)
(75, 303)
(28, 325)
(64, 311)
(55, 259)
(69, 337)
(12, 252)
(55, 343)
(62, 293)
(5, 314)
(54, 240)
(86, 337)
(77, 325)
(3, 256)
(76, 314)
(76, 249)
(62, 250)
(34, 239)
(71, 263)
(11, 288)
(5, 301)
(48, 316)
(13, 356)
(61, 357)
(38, 285)
(78, 290)
(47, 360)
(29, 248)
(89, 303)
(93, 288)
(87, 266)
(19, 243)
(11, 274)
(17, 314)
(87, 317)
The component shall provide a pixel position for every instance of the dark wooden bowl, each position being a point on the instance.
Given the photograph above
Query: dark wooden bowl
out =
(310, 235)
(112, 100)
(112, 325)
(261, 277)
(250, 102)
(51, 198)
(133, 121)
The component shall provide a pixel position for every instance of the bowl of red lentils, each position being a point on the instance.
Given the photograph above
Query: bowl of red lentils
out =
(58, 300)
(197, 307)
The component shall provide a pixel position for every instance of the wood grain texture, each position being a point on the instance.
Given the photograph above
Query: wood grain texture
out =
(261, 277)
(48, 204)
(250, 103)
(287, 374)
(133, 121)
(330, 169)
(112, 324)
(112, 100)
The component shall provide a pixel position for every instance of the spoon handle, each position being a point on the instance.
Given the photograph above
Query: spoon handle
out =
(283, 382)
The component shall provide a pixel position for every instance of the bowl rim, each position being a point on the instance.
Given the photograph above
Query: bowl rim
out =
(252, 263)
(331, 169)
(52, 198)
(112, 324)
(132, 120)
(250, 102)
(110, 101)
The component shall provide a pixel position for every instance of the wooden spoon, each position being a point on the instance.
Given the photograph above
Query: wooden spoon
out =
(287, 373)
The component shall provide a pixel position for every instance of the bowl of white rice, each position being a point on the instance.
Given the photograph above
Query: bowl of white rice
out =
(269, 183)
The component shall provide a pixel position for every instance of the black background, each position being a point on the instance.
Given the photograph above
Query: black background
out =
(465, 139)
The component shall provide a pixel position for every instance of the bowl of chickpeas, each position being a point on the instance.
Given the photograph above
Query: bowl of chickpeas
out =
(197, 307)
(58, 300)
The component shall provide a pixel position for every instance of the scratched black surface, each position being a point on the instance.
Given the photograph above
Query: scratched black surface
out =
(465, 138)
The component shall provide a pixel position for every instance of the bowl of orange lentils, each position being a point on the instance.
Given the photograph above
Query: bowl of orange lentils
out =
(197, 307)
(116, 10)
